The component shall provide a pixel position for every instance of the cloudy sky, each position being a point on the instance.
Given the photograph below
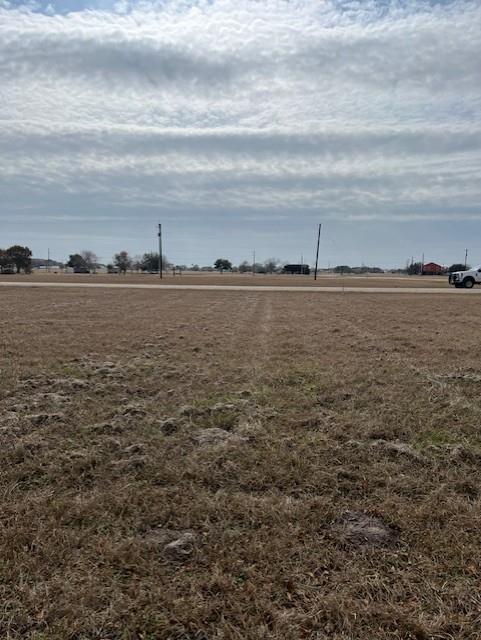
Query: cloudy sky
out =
(241, 124)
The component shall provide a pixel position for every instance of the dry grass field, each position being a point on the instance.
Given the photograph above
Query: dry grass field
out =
(211, 465)
(239, 279)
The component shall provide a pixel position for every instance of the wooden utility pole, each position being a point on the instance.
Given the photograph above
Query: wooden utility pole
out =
(466, 260)
(317, 251)
(160, 252)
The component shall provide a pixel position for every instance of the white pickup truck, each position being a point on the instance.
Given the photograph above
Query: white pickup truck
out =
(466, 279)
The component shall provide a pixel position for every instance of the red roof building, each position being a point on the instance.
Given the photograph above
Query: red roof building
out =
(432, 269)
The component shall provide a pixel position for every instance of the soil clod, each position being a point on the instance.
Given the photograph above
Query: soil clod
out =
(362, 529)
(215, 436)
(181, 547)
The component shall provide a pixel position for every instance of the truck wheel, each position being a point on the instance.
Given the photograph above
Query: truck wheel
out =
(468, 283)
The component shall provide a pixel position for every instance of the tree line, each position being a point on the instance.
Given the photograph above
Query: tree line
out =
(121, 262)
(149, 262)
(18, 259)
(415, 268)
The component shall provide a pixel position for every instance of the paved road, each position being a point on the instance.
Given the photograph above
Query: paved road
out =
(208, 287)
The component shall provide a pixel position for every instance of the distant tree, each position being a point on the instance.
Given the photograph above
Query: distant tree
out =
(244, 267)
(137, 263)
(4, 259)
(21, 257)
(221, 264)
(90, 259)
(415, 268)
(76, 260)
(458, 266)
(271, 265)
(195, 267)
(122, 261)
(342, 268)
(259, 268)
(365, 269)
(150, 262)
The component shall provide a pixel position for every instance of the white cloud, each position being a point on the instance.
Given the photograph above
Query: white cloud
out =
(354, 108)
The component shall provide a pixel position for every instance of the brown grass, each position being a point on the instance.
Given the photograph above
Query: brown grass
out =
(343, 503)
(239, 279)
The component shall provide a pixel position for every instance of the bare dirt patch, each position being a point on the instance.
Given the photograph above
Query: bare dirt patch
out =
(362, 529)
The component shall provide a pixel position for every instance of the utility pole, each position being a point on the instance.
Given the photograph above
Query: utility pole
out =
(422, 265)
(466, 260)
(254, 263)
(48, 260)
(160, 251)
(317, 251)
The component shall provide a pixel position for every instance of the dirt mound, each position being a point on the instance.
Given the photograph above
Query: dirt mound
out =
(215, 436)
(38, 419)
(396, 448)
(169, 426)
(176, 545)
(362, 529)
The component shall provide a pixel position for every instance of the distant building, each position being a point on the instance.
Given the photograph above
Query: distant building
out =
(432, 269)
(303, 269)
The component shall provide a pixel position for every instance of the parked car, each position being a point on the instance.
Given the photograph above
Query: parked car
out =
(81, 270)
(466, 279)
(8, 269)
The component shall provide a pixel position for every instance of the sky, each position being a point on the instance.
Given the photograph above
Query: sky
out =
(241, 125)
